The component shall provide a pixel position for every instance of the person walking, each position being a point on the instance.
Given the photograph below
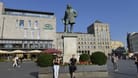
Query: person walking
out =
(136, 62)
(15, 61)
(114, 59)
(56, 63)
(72, 66)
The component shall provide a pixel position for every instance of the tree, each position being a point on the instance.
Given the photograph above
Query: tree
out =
(98, 58)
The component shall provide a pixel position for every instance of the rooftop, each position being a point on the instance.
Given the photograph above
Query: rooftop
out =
(28, 11)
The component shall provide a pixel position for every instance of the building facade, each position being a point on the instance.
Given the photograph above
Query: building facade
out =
(116, 44)
(132, 42)
(97, 38)
(30, 30)
(27, 30)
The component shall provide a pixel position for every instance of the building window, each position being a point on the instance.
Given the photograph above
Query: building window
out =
(17, 23)
(21, 23)
(78, 47)
(32, 34)
(78, 42)
(29, 23)
(94, 47)
(36, 24)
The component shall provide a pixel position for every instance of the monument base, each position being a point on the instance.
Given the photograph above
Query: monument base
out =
(69, 47)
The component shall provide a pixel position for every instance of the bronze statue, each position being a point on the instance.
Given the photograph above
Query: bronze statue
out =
(69, 18)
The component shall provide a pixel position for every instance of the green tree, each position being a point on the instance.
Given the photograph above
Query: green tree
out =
(84, 57)
(98, 58)
(45, 60)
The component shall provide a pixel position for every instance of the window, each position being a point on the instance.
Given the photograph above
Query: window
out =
(29, 23)
(79, 47)
(21, 23)
(78, 42)
(17, 24)
(36, 24)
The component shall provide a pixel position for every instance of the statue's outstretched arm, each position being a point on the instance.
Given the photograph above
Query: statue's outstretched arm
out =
(75, 13)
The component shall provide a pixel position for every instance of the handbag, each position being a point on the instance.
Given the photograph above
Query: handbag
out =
(136, 62)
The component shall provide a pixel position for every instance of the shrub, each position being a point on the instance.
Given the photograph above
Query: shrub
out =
(84, 57)
(98, 58)
(45, 60)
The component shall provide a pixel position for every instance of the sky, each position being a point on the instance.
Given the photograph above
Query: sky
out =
(121, 15)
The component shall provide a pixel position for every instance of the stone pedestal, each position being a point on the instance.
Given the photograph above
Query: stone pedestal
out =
(69, 47)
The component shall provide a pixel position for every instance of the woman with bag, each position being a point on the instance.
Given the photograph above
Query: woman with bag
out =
(56, 63)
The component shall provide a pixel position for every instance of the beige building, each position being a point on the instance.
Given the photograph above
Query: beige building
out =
(116, 44)
(25, 29)
(97, 39)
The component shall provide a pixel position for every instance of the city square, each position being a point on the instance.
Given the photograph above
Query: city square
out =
(36, 41)
(127, 69)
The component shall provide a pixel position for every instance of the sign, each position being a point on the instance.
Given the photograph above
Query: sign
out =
(48, 27)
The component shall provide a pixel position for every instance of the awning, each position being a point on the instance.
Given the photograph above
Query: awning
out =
(34, 51)
(4, 52)
(52, 51)
(17, 51)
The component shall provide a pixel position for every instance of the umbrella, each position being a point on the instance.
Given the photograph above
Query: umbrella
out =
(4, 52)
(35, 51)
(17, 51)
(52, 51)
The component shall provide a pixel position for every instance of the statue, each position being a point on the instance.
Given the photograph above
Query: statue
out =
(69, 18)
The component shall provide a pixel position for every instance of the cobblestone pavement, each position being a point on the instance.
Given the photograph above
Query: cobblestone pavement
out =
(27, 70)
(127, 69)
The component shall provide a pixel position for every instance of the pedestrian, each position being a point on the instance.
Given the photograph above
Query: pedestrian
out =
(136, 62)
(18, 60)
(72, 66)
(56, 63)
(15, 61)
(114, 59)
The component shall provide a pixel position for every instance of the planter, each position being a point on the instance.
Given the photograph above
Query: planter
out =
(83, 71)
(84, 62)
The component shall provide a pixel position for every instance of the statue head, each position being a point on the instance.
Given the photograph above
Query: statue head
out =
(69, 6)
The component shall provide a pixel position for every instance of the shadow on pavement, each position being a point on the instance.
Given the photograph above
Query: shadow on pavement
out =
(34, 74)
(125, 74)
